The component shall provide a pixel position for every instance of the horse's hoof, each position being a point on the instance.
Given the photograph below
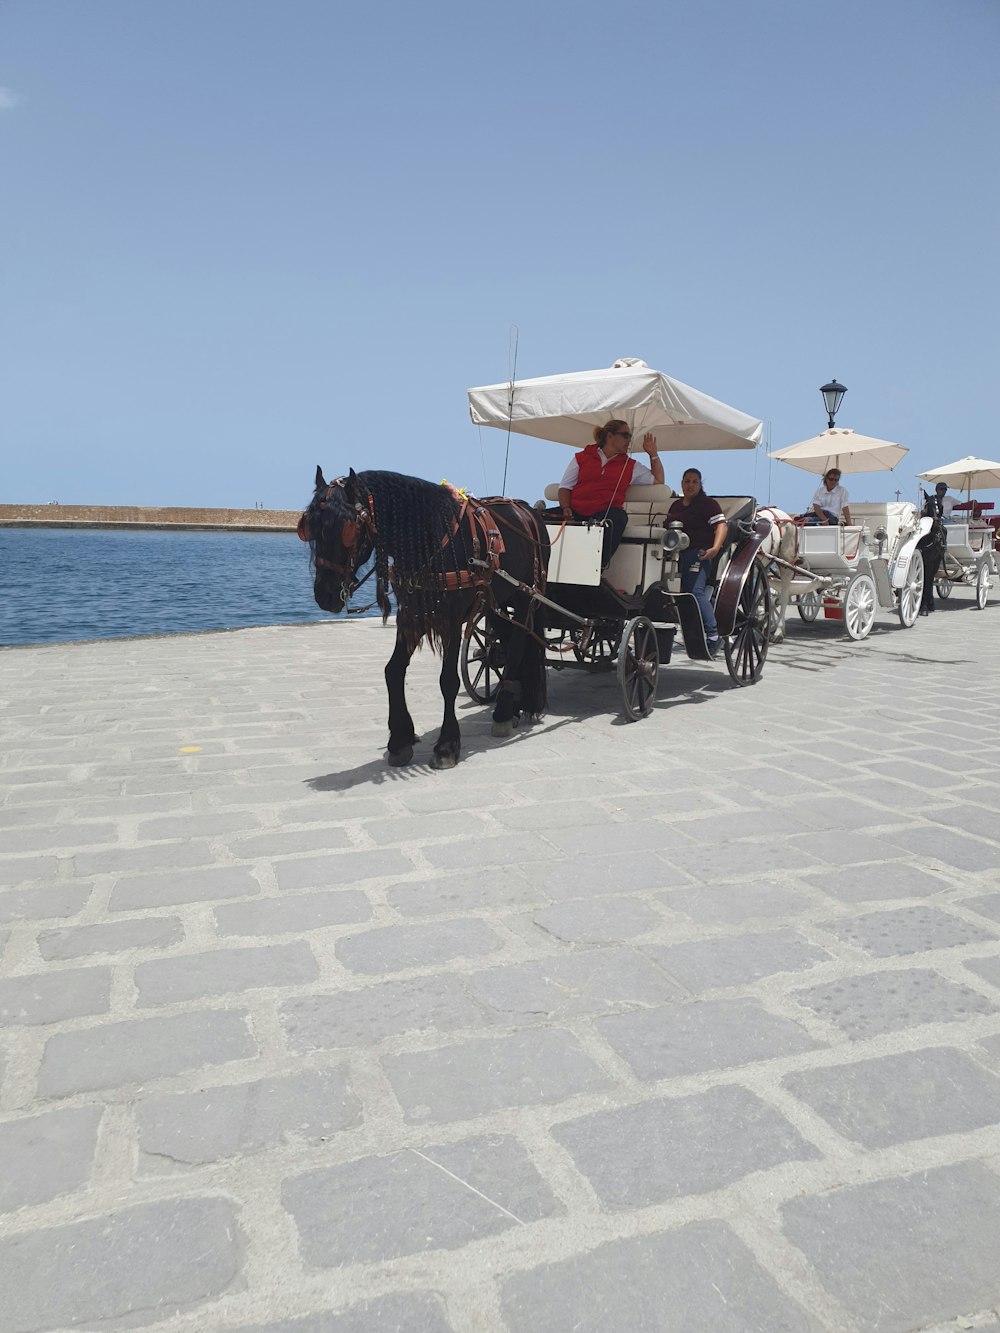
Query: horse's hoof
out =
(447, 760)
(503, 729)
(400, 758)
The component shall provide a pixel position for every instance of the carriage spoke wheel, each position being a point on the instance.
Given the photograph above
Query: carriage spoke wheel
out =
(982, 586)
(746, 647)
(911, 594)
(808, 606)
(481, 661)
(859, 606)
(943, 589)
(638, 663)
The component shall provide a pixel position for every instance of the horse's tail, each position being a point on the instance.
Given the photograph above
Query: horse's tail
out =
(534, 685)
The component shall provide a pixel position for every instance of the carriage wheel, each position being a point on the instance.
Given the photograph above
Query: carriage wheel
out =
(481, 660)
(982, 586)
(638, 663)
(943, 589)
(746, 647)
(859, 606)
(911, 594)
(808, 606)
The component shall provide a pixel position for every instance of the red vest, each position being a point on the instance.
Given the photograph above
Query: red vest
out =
(597, 488)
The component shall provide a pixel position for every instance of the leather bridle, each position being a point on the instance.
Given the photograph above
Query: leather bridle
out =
(364, 518)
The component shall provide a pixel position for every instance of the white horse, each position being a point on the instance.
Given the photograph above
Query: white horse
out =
(781, 542)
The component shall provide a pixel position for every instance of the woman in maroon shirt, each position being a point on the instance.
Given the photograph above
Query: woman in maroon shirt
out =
(706, 527)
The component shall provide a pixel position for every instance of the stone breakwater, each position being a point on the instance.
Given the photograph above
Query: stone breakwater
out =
(142, 516)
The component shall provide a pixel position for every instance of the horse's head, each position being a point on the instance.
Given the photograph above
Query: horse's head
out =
(340, 526)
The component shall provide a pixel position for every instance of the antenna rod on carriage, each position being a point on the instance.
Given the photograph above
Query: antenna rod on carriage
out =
(512, 370)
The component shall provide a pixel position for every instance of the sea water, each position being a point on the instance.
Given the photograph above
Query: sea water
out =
(59, 584)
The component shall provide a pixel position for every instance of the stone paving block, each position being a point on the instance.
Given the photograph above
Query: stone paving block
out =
(132, 894)
(593, 981)
(213, 825)
(867, 883)
(636, 1156)
(51, 997)
(62, 793)
(147, 932)
(219, 971)
(26, 869)
(165, 856)
(847, 849)
(363, 1017)
(392, 948)
(551, 815)
(987, 968)
(907, 930)
(463, 893)
(863, 1006)
(838, 813)
(953, 849)
(4, 937)
(732, 904)
(488, 851)
(597, 920)
(45, 902)
(916, 1249)
(700, 1277)
(48, 838)
(706, 1034)
(345, 868)
(45, 1156)
(986, 904)
(736, 960)
(735, 861)
(499, 1166)
(402, 1312)
(598, 876)
(897, 1097)
(395, 828)
(196, 1127)
(142, 1049)
(293, 913)
(140, 1264)
(969, 819)
(379, 1208)
(473, 1077)
(277, 842)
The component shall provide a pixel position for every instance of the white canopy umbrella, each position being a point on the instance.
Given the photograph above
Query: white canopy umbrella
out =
(966, 474)
(566, 408)
(843, 449)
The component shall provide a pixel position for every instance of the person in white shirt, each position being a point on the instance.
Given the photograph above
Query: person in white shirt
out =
(829, 504)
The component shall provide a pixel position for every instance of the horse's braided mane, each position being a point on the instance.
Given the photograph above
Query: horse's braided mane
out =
(412, 518)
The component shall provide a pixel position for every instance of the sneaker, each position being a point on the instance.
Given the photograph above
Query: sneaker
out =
(713, 645)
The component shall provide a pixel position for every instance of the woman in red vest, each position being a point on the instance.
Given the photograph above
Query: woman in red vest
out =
(594, 484)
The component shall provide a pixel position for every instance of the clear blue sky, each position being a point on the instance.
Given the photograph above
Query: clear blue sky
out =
(240, 237)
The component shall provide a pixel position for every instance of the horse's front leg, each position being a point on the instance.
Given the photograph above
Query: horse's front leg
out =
(401, 733)
(448, 748)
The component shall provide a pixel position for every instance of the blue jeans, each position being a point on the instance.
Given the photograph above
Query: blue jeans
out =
(811, 521)
(694, 581)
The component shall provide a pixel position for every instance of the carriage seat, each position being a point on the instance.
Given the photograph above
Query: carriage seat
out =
(646, 507)
(896, 516)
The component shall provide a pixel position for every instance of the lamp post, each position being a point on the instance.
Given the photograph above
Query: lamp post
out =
(833, 396)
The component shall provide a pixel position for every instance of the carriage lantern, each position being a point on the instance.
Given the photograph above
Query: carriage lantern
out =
(833, 396)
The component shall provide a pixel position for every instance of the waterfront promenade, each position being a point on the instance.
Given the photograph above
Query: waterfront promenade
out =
(689, 1024)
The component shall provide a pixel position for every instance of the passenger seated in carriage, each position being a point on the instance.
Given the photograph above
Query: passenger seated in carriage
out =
(829, 504)
(705, 524)
(594, 484)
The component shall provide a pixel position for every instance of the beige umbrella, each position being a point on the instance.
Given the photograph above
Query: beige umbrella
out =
(966, 474)
(843, 449)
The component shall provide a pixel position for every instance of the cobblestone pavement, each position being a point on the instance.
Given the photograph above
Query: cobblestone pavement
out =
(689, 1024)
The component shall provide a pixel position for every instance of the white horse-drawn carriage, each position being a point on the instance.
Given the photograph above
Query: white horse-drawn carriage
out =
(627, 620)
(847, 572)
(970, 558)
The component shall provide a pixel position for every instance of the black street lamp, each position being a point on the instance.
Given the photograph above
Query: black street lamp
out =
(833, 395)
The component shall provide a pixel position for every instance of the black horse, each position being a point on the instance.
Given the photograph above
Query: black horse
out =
(447, 553)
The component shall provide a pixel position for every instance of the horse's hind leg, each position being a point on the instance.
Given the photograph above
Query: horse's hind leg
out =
(448, 748)
(401, 734)
(507, 709)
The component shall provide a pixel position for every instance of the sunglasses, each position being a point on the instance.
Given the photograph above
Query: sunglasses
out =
(625, 434)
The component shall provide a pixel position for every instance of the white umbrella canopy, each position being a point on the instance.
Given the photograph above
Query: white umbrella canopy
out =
(844, 449)
(966, 474)
(566, 408)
